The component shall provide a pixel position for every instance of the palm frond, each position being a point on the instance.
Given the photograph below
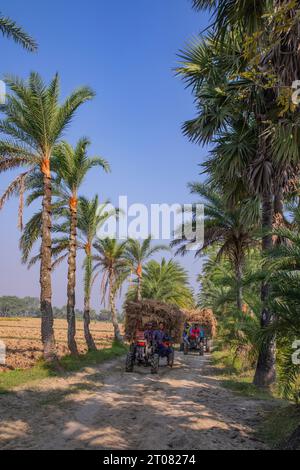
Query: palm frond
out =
(10, 29)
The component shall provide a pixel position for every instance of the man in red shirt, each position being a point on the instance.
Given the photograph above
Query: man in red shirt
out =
(195, 333)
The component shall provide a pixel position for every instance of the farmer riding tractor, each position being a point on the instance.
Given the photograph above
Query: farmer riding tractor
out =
(193, 339)
(199, 330)
(149, 345)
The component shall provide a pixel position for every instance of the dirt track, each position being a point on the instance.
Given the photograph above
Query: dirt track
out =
(104, 408)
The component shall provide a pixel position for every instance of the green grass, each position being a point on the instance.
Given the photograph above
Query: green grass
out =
(281, 419)
(225, 363)
(10, 380)
(279, 425)
(15, 378)
(72, 364)
(234, 377)
(244, 386)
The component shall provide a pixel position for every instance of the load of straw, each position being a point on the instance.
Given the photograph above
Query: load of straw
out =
(138, 314)
(205, 318)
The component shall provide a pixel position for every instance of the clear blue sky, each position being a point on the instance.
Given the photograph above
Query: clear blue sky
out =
(126, 51)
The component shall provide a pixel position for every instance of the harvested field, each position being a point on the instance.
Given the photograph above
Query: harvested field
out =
(24, 347)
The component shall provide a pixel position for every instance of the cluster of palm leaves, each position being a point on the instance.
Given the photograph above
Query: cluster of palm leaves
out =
(167, 282)
(240, 72)
(239, 329)
(230, 228)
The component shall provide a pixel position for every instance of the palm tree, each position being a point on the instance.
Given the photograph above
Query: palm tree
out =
(166, 282)
(11, 30)
(91, 216)
(271, 23)
(111, 261)
(218, 284)
(243, 15)
(34, 124)
(71, 166)
(137, 253)
(221, 98)
(227, 228)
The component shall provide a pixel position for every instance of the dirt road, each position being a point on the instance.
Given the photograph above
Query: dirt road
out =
(104, 408)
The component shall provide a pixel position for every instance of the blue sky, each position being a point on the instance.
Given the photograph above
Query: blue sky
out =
(126, 51)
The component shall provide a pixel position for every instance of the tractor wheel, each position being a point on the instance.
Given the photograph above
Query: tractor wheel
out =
(154, 364)
(129, 362)
(185, 350)
(201, 350)
(171, 359)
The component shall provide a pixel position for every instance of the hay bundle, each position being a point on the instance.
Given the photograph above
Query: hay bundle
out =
(205, 318)
(138, 314)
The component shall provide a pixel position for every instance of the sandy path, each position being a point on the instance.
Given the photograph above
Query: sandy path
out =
(105, 408)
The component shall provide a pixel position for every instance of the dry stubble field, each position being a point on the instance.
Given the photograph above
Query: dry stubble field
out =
(23, 344)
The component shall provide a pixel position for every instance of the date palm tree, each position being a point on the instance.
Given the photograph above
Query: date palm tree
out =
(10, 29)
(33, 125)
(167, 282)
(71, 166)
(91, 216)
(110, 260)
(138, 253)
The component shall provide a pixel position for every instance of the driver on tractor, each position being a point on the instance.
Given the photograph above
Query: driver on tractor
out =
(149, 332)
(162, 340)
(195, 333)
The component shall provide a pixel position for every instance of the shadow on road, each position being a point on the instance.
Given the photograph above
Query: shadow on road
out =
(105, 408)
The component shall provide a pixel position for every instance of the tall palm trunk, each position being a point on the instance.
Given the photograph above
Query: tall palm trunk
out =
(139, 283)
(87, 302)
(265, 374)
(139, 289)
(113, 309)
(72, 278)
(47, 330)
(239, 278)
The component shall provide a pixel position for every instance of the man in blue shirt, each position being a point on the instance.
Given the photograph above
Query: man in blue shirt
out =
(149, 332)
(160, 336)
(202, 333)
